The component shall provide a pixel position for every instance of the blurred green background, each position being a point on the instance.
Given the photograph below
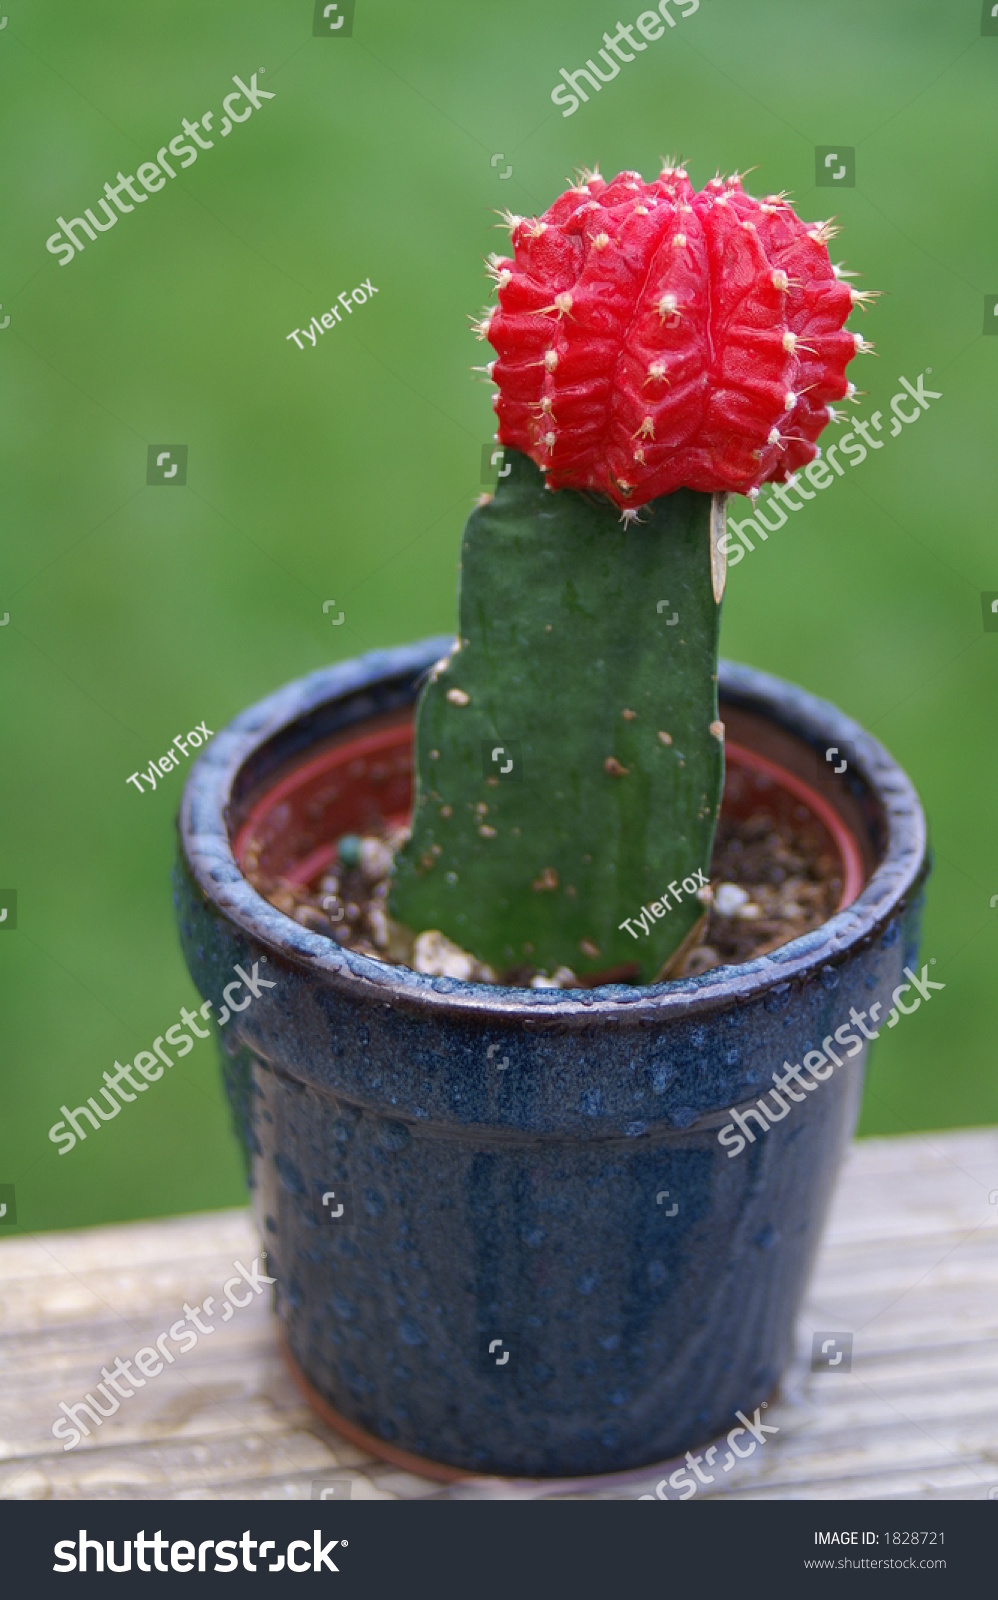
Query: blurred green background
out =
(345, 472)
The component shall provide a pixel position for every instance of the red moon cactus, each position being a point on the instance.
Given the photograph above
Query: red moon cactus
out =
(652, 338)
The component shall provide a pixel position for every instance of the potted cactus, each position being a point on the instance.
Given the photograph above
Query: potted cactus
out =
(504, 1066)
(657, 350)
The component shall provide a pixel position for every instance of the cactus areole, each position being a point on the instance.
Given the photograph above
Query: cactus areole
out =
(657, 349)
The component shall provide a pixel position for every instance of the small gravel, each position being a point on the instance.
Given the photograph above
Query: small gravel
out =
(772, 881)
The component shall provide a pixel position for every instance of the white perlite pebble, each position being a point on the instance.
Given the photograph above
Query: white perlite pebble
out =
(729, 899)
(378, 923)
(375, 859)
(434, 955)
(561, 978)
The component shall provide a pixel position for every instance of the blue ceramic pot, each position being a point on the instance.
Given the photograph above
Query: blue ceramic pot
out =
(505, 1232)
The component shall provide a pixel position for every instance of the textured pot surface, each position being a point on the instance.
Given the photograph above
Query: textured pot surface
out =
(536, 1170)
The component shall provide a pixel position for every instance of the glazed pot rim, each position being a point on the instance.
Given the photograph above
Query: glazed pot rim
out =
(208, 851)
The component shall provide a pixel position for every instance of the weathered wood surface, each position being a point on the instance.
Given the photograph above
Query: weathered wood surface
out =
(909, 1265)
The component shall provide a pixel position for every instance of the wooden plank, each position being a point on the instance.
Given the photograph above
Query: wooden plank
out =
(909, 1265)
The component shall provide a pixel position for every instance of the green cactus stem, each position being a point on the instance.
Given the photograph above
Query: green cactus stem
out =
(569, 757)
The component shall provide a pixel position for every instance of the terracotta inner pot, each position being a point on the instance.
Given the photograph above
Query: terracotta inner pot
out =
(361, 783)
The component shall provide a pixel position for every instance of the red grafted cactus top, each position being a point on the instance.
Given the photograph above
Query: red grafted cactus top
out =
(651, 338)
